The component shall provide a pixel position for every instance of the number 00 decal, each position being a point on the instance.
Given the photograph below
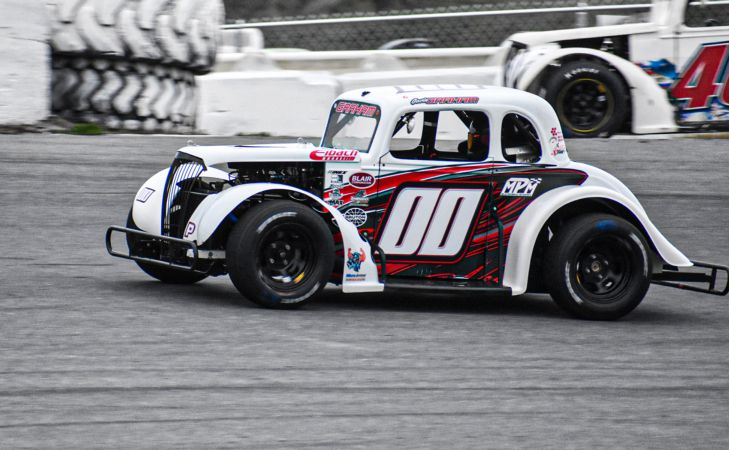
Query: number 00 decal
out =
(429, 221)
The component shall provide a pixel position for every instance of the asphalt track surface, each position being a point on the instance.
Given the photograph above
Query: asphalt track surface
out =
(95, 354)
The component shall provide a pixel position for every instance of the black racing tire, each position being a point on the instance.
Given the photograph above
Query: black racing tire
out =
(598, 267)
(164, 274)
(589, 98)
(131, 64)
(280, 254)
(119, 95)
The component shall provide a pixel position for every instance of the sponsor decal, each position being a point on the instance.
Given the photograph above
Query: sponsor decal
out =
(520, 187)
(661, 70)
(335, 198)
(356, 109)
(557, 142)
(360, 199)
(145, 194)
(190, 229)
(336, 178)
(355, 277)
(362, 180)
(443, 100)
(356, 216)
(333, 155)
(335, 194)
(355, 259)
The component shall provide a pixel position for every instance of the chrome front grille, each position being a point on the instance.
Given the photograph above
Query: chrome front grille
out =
(181, 180)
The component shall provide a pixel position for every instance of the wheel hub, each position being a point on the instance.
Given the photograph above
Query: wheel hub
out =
(602, 270)
(285, 256)
(279, 254)
(585, 105)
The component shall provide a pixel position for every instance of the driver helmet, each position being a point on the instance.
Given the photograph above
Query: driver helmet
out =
(477, 138)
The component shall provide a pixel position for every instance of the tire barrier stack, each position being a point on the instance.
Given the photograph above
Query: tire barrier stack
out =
(131, 64)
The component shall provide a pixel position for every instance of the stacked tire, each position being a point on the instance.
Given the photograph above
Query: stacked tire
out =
(131, 64)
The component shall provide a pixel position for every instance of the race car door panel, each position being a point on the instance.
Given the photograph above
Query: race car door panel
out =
(430, 213)
(432, 196)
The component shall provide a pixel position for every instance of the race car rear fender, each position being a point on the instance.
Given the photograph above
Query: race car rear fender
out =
(652, 112)
(527, 228)
(211, 213)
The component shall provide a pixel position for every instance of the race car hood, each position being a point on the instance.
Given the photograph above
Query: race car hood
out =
(221, 154)
(546, 37)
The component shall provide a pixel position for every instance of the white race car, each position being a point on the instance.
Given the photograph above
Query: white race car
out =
(393, 198)
(660, 75)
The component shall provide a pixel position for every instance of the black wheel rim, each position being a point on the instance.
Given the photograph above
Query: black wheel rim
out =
(603, 269)
(585, 105)
(286, 257)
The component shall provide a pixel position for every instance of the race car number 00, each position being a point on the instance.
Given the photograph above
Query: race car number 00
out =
(428, 221)
(702, 77)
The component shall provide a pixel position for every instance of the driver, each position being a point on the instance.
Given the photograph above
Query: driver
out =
(476, 147)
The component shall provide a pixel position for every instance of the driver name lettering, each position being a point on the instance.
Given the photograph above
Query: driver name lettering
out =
(356, 109)
(443, 100)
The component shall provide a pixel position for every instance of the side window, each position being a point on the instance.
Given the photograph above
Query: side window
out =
(519, 140)
(448, 135)
(408, 136)
(707, 13)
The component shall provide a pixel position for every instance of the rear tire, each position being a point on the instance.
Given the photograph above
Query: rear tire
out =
(590, 99)
(280, 254)
(598, 267)
(164, 274)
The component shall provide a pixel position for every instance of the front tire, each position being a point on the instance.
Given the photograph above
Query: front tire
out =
(280, 254)
(598, 267)
(590, 99)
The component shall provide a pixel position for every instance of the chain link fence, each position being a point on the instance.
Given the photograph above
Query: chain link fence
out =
(464, 30)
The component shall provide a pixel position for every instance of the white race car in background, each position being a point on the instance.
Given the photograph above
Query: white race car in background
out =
(651, 77)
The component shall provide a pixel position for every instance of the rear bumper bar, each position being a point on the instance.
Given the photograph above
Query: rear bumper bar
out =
(179, 246)
(707, 274)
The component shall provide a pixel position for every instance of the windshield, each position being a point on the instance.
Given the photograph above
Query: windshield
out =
(351, 126)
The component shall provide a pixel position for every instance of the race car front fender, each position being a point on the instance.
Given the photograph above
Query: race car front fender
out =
(147, 206)
(652, 112)
(527, 228)
(211, 213)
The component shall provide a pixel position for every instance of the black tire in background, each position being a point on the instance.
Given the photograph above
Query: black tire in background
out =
(590, 99)
(131, 64)
(598, 267)
(280, 254)
(164, 274)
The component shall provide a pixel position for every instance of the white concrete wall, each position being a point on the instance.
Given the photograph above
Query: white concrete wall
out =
(24, 62)
(279, 103)
(257, 92)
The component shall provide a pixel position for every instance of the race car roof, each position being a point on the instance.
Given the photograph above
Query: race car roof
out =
(495, 100)
(393, 96)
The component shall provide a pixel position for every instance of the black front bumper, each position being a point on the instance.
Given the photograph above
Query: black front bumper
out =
(175, 254)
